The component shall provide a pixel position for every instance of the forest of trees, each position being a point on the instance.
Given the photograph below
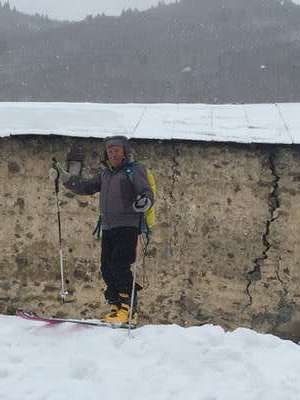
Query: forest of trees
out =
(213, 51)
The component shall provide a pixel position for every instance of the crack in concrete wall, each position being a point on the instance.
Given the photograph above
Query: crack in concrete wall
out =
(273, 203)
(277, 272)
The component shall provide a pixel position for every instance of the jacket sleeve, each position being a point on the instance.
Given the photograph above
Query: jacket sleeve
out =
(140, 182)
(84, 186)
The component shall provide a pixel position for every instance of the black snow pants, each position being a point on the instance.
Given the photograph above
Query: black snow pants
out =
(119, 247)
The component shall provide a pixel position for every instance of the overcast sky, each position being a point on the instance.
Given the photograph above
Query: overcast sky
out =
(78, 9)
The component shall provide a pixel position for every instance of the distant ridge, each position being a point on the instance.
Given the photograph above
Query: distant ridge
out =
(221, 51)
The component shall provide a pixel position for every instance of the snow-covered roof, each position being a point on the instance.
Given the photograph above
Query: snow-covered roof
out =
(243, 123)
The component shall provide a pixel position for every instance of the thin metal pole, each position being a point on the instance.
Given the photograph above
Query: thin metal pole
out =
(134, 276)
(132, 299)
(63, 292)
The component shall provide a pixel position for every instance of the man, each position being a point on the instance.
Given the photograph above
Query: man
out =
(123, 201)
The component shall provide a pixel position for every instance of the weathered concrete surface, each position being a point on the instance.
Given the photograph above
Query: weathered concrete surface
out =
(225, 248)
(276, 305)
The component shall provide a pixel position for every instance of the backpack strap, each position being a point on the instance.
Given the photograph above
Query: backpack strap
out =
(98, 228)
(129, 170)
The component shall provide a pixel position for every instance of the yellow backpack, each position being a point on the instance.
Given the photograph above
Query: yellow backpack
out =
(150, 217)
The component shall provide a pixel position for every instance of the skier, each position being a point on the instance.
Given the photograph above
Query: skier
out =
(123, 203)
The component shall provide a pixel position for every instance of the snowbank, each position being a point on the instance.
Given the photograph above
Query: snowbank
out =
(63, 362)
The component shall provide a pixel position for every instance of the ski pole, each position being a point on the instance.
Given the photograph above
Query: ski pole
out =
(134, 279)
(63, 292)
(132, 299)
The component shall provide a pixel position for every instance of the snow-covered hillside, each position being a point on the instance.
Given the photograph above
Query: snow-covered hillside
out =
(71, 362)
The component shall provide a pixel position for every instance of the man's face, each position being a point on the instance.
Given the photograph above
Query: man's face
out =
(115, 155)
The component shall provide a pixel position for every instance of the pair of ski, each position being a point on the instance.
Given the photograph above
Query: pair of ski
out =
(54, 321)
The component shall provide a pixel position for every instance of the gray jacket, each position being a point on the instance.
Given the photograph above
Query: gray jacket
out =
(118, 190)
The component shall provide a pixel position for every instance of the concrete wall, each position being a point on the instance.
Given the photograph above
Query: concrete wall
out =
(225, 249)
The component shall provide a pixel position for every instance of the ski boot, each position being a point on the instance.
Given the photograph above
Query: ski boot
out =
(125, 305)
(114, 308)
(122, 315)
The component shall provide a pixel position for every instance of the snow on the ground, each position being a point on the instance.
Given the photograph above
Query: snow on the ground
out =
(71, 362)
(242, 123)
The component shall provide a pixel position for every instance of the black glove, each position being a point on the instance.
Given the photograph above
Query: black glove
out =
(142, 203)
